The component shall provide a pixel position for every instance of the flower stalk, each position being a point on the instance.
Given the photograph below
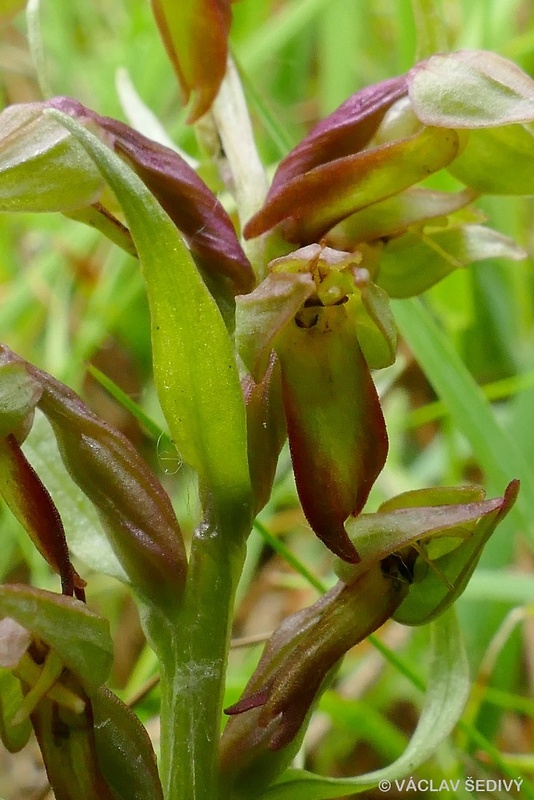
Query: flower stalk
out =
(193, 666)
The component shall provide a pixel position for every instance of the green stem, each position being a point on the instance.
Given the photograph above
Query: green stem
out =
(193, 666)
(431, 34)
(250, 183)
(233, 123)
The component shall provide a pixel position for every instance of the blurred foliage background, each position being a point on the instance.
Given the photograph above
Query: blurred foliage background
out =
(68, 299)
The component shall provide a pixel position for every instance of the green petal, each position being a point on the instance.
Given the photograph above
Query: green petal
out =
(416, 261)
(429, 597)
(375, 325)
(497, 161)
(264, 313)
(378, 535)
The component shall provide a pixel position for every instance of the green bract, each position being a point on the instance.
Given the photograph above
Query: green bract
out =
(124, 750)
(194, 366)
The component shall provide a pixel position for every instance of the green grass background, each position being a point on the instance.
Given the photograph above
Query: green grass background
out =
(459, 403)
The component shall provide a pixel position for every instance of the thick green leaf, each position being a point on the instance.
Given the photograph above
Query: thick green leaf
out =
(194, 365)
(416, 261)
(80, 637)
(445, 698)
(192, 206)
(470, 89)
(85, 536)
(19, 394)
(125, 753)
(42, 168)
(497, 161)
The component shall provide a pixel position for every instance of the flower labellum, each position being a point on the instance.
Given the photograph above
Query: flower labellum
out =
(327, 324)
(335, 425)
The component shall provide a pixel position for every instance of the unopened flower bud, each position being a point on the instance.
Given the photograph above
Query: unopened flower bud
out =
(134, 508)
(259, 740)
(31, 504)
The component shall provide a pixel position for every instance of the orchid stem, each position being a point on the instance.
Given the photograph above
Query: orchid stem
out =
(430, 29)
(193, 662)
(250, 184)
